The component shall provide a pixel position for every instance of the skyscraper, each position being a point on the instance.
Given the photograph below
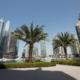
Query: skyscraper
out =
(35, 51)
(78, 28)
(78, 33)
(75, 48)
(11, 51)
(6, 36)
(1, 29)
(58, 52)
(43, 49)
(2, 26)
(7, 40)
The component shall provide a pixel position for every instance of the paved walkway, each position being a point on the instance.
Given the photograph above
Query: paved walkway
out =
(58, 72)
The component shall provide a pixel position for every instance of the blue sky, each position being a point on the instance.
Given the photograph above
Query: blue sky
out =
(56, 15)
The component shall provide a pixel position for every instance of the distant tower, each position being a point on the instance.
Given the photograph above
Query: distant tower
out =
(6, 35)
(2, 26)
(75, 48)
(35, 52)
(7, 40)
(43, 49)
(12, 47)
(58, 52)
(78, 28)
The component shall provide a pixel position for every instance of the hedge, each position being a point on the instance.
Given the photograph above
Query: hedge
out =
(39, 64)
(27, 65)
(68, 62)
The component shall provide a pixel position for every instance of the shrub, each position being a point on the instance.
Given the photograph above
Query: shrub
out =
(68, 62)
(27, 65)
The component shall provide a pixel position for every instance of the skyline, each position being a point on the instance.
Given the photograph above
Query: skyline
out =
(57, 16)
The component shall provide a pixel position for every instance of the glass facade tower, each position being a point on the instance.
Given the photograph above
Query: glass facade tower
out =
(7, 40)
(43, 48)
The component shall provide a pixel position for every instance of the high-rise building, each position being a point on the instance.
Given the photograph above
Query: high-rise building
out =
(75, 48)
(6, 36)
(7, 40)
(43, 48)
(58, 52)
(78, 33)
(35, 52)
(11, 51)
(2, 37)
(1, 29)
(78, 29)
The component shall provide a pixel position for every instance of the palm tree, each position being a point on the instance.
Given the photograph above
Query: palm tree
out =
(63, 40)
(30, 35)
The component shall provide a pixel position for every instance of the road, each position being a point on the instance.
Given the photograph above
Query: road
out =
(58, 72)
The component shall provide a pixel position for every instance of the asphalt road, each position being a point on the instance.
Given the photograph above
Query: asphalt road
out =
(58, 72)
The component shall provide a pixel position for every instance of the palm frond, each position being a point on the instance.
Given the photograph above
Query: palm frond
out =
(64, 39)
(31, 34)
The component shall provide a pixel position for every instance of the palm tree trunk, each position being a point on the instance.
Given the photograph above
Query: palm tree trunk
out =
(65, 51)
(30, 52)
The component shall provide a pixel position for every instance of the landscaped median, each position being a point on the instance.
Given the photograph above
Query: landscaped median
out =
(27, 65)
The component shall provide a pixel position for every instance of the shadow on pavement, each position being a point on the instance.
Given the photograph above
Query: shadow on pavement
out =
(37, 74)
(2, 66)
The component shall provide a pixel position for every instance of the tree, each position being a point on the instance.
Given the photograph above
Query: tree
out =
(30, 35)
(63, 40)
